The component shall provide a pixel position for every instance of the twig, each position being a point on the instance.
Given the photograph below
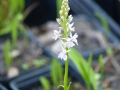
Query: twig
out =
(30, 8)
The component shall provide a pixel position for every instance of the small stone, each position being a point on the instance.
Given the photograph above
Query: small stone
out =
(12, 72)
(46, 38)
(52, 25)
(15, 53)
(56, 47)
(36, 30)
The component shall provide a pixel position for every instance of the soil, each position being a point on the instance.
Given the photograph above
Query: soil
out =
(112, 74)
(29, 55)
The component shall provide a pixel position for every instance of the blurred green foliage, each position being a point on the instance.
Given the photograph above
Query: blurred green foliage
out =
(84, 68)
(56, 76)
(45, 83)
(56, 72)
(104, 23)
(101, 65)
(11, 18)
(7, 57)
(35, 63)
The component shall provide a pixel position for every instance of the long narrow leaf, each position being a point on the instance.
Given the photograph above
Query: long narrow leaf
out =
(56, 72)
(7, 56)
(45, 83)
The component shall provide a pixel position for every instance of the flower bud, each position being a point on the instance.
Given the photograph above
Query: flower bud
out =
(58, 20)
(61, 11)
(62, 17)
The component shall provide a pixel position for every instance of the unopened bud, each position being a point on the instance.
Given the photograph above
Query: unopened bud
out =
(58, 20)
(62, 17)
(61, 12)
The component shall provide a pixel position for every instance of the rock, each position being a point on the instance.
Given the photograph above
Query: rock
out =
(12, 72)
(46, 38)
(52, 25)
(15, 53)
(36, 30)
(56, 47)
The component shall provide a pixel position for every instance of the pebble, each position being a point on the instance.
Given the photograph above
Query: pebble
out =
(56, 47)
(46, 38)
(12, 72)
(15, 53)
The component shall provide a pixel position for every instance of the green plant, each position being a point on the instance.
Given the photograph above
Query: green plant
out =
(45, 83)
(25, 66)
(64, 33)
(39, 62)
(35, 62)
(101, 64)
(56, 72)
(84, 69)
(104, 22)
(109, 51)
(12, 22)
(7, 57)
(56, 75)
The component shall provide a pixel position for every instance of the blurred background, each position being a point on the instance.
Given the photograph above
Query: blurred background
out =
(29, 55)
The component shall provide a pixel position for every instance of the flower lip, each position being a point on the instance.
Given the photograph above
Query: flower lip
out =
(63, 55)
(57, 34)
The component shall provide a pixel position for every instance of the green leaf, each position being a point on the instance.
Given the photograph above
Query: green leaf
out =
(7, 57)
(103, 21)
(90, 59)
(22, 4)
(93, 79)
(13, 5)
(109, 51)
(14, 27)
(25, 66)
(69, 86)
(84, 68)
(45, 83)
(56, 72)
(79, 62)
(101, 61)
(5, 30)
(37, 63)
(60, 86)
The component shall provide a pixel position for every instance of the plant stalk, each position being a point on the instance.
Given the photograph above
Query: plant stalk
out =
(66, 74)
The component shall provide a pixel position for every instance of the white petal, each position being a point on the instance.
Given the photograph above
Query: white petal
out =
(71, 25)
(70, 34)
(69, 44)
(58, 20)
(65, 57)
(55, 37)
(75, 36)
(56, 32)
(73, 29)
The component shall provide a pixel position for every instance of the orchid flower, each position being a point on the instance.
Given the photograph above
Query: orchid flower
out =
(65, 35)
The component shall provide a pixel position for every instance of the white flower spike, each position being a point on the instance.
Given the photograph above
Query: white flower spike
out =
(65, 31)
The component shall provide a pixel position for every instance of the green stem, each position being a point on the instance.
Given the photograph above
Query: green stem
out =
(66, 74)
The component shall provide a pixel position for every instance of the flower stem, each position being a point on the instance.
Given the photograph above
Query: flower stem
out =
(66, 74)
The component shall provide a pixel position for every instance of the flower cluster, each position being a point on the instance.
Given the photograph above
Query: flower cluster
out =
(65, 31)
